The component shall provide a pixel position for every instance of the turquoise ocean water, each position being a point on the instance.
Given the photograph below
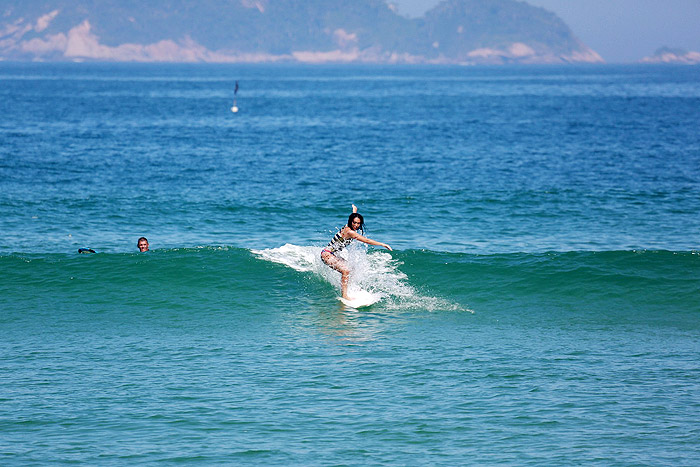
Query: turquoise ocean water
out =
(541, 307)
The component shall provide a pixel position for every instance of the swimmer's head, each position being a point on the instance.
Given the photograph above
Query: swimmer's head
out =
(143, 244)
(356, 222)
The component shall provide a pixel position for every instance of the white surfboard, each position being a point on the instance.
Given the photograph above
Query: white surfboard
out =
(360, 299)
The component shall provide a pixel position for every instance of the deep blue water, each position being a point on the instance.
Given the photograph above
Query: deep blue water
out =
(541, 305)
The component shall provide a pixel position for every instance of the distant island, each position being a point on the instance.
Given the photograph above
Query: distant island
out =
(673, 55)
(308, 31)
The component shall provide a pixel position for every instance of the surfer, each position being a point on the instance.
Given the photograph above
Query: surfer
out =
(342, 239)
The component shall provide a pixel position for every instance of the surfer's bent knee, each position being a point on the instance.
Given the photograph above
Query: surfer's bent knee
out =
(334, 262)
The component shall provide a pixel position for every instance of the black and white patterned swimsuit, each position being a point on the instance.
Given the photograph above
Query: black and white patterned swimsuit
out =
(337, 243)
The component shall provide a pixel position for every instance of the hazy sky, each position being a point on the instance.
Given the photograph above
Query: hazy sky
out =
(619, 30)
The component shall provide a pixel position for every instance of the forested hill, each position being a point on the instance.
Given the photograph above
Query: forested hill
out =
(317, 31)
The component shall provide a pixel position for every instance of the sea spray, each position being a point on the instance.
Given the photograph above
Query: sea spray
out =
(374, 271)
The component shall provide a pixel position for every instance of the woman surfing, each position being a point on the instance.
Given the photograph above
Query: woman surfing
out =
(342, 239)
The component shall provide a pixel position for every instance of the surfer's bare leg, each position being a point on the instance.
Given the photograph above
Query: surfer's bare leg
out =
(345, 275)
(341, 266)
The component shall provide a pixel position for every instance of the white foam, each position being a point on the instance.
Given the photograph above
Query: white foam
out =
(299, 258)
(376, 272)
(360, 298)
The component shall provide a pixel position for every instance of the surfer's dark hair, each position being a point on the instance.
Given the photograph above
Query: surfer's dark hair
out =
(354, 216)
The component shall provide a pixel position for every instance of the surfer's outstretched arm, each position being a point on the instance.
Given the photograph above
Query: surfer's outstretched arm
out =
(369, 241)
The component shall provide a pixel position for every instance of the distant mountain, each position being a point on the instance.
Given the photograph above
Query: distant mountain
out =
(669, 55)
(311, 31)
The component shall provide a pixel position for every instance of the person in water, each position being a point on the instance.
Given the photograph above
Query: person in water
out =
(143, 244)
(342, 239)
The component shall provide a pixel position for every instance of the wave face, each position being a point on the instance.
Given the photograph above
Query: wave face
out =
(612, 285)
(626, 285)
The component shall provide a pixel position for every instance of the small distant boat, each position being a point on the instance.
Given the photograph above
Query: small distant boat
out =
(234, 109)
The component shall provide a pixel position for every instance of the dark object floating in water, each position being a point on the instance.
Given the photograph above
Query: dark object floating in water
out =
(234, 109)
(85, 250)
